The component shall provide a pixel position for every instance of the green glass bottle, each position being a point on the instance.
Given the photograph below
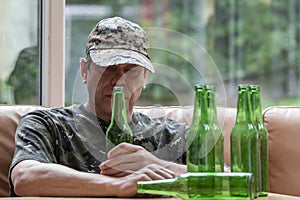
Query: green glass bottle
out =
(218, 133)
(118, 131)
(263, 181)
(243, 141)
(182, 187)
(193, 143)
(192, 138)
(219, 136)
(206, 138)
(201, 143)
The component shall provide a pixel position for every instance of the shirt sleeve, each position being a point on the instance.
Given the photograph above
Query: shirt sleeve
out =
(35, 139)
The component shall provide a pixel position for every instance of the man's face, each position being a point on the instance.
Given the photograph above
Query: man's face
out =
(101, 81)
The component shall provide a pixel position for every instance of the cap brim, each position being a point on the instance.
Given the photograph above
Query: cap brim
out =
(109, 57)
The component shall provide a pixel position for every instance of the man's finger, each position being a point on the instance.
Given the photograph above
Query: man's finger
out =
(123, 148)
(110, 168)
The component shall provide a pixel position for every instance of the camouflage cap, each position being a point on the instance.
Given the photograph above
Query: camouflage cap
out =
(116, 41)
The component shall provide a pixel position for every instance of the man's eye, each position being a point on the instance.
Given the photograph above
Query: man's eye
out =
(132, 72)
(109, 69)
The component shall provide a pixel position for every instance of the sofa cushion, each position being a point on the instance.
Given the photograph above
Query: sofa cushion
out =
(283, 124)
(9, 119)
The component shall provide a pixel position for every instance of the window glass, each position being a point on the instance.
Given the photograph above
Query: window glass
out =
(224, 43)
(19, 50)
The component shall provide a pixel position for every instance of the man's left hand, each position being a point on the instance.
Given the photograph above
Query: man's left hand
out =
(125, 159)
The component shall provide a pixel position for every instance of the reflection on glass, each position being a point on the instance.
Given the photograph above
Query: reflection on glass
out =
(249, 41)
(25, 75)
(19, 48)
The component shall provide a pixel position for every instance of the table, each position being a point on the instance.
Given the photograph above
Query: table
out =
(82, 198)
(271, 196)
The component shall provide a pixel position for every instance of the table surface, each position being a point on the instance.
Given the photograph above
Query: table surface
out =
(270, 197)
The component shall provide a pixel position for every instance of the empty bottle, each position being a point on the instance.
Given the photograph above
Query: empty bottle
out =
(201, 143)
(184, 187)
(193, 134)
(218, 134)
(243, 141)
(118, 130)
(262, 173)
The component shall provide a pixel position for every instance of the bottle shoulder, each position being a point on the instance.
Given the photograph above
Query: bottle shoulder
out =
(244, 128)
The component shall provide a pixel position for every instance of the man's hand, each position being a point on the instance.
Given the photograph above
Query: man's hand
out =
(127, 158)
(127, 185)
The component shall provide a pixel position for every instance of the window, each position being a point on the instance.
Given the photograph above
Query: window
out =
(224, 43)
(20, 52)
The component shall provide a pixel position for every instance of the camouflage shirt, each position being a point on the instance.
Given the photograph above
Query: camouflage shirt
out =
(74, 137)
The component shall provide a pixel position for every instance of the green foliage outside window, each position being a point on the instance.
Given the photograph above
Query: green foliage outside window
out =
(255, 42)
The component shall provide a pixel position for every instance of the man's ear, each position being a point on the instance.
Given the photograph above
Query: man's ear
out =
(83, 70)
(145, 78)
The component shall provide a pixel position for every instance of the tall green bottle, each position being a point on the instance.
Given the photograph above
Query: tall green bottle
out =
(263, 181)
(200, 152)
(118, 131)
(182, 188)
(243, 141)
(218, 134)
(206, 138)
(193, 134)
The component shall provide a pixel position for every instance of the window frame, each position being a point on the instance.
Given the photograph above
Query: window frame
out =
(52, 53)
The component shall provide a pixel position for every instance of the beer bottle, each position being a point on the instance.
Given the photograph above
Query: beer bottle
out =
(182, 187)
(206, 138)
(201, 143)
(118, 131)
(263, 182)
(218, 134)
(243, 141)
(192, 138)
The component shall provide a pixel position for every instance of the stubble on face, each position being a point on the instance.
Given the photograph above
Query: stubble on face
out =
(104, 81)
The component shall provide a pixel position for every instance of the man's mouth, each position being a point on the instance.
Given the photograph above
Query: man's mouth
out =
(109, 96)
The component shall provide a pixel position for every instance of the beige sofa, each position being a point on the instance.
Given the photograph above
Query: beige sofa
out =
(283, 124)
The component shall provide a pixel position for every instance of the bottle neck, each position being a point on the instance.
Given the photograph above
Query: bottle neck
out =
(243, 107)
(204, 108)
(162, 187)
(119, 108)
(197, 103)
(212, 109)
(256, 105)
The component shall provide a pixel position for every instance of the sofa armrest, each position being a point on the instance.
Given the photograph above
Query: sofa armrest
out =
(283, 124)
(9, 119)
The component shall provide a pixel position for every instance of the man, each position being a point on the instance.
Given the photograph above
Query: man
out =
(61, 152)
